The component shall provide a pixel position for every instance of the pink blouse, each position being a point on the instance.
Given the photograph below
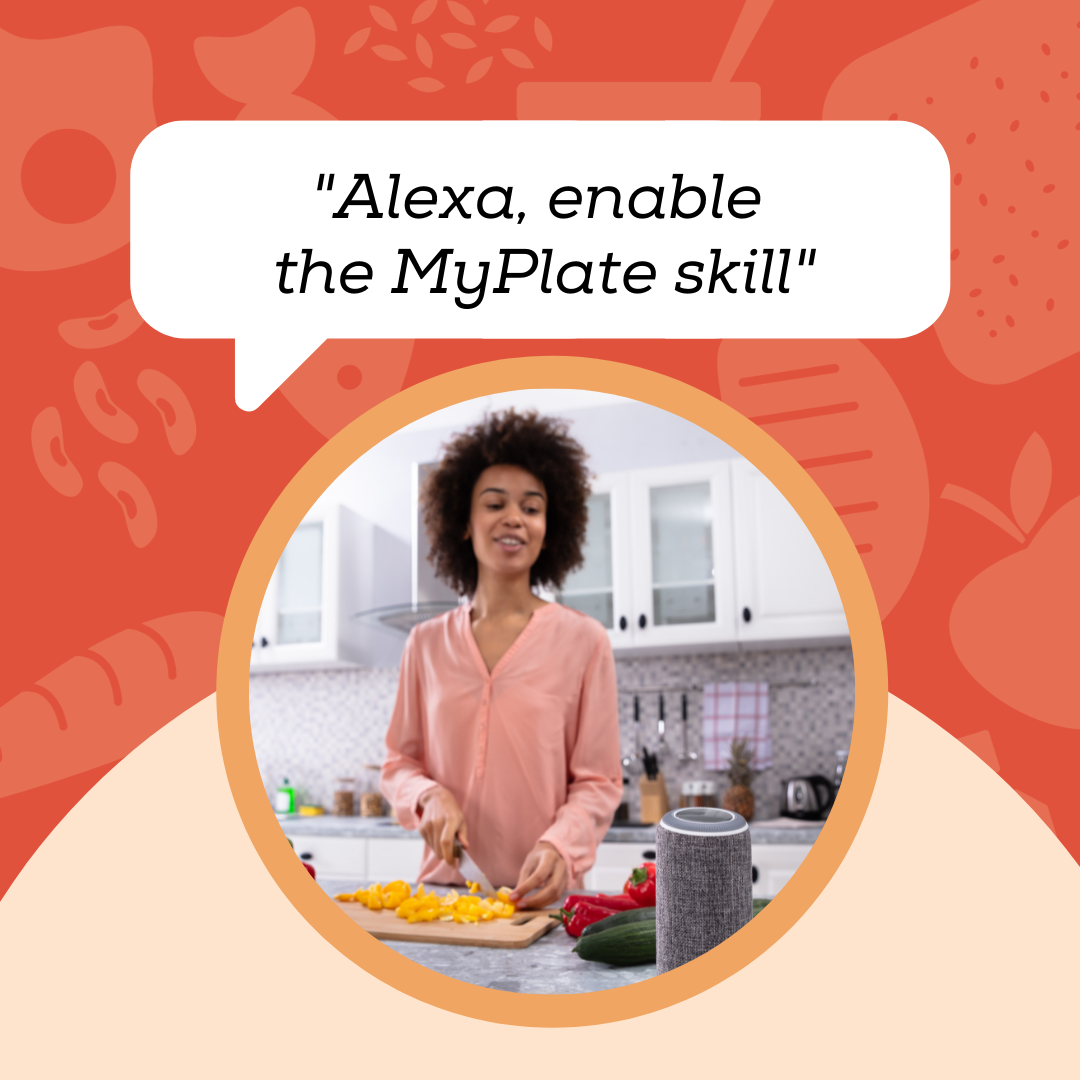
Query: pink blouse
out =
(530, 751)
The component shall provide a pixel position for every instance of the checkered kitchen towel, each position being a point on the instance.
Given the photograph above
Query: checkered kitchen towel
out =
(736, 711)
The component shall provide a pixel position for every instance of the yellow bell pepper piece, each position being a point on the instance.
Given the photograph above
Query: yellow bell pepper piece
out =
(375, 898)
(344, 896)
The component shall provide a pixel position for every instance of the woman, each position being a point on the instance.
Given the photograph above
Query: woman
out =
(505, 733)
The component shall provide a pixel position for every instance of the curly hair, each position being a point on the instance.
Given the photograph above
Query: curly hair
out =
(540, 445)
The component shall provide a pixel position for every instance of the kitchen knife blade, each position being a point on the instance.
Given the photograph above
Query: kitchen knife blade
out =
(471, 872)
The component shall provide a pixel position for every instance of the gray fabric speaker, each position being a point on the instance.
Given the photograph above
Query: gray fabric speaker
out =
(703, 882)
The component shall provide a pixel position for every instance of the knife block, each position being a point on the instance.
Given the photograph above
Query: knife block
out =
(654, 800)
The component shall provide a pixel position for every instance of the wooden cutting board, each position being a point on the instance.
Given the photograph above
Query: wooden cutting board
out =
(521, 929)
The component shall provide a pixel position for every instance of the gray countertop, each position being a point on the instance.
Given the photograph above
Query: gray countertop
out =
(778, 831)
(548, 966)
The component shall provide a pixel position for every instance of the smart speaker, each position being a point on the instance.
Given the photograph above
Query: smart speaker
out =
(703, 882)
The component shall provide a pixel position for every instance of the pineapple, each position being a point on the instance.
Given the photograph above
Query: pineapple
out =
(739, 798)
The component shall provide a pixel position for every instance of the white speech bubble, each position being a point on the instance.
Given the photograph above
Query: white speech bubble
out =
(821, 229)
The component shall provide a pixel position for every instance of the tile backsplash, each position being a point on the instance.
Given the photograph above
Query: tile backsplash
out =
(316, 726)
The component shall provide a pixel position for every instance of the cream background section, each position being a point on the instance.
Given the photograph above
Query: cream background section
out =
(145, 938)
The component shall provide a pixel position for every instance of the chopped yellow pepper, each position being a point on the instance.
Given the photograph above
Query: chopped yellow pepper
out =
(423, 906)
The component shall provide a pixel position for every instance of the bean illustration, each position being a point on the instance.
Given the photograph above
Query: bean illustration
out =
(130, 492)
(171, 402)
(97, 331)
(47, 440)
(99, 408)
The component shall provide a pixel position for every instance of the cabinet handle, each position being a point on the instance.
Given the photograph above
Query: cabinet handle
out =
(264, 642)
(746, 616)
(305, 855)
(648, 854)
(753, 875)
(622, 622)
(642, 621)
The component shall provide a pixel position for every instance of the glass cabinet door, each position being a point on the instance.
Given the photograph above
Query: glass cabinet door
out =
(591, 588)
(299, 587)
(683, 566)
(681, 531)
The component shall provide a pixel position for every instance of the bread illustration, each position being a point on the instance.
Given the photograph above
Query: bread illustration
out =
(833, 407)
(99, 705)
(997, 84)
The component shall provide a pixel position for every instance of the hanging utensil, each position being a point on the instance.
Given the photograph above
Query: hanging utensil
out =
(687, 754)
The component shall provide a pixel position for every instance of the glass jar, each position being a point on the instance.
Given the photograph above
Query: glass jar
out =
(371, 800)
(344, 797)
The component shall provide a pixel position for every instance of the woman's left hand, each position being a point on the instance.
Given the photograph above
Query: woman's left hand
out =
(544, 871)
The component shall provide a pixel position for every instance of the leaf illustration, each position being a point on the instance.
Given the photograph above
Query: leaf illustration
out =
(423, 51)
(981, 506)
(479, 69)
(1030, 482)
(387, 52)
(461, 13)
(501, 24)
(518, 59)
(426, 85)
(424, 11)
(543, 34)
(357, 40)
(459, 41)
(382, 17)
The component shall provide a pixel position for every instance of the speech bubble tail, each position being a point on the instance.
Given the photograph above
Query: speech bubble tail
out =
(266, 357)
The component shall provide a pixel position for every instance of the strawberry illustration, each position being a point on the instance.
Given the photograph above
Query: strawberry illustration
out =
(997, 84)
(1013, 626)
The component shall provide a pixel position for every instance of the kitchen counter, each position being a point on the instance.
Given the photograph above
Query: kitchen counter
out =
(546, 967)
(778, 831)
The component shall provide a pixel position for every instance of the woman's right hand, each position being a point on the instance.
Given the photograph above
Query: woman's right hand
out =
(441, 822)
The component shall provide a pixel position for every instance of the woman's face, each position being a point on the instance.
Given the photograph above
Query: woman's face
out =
(508, 520)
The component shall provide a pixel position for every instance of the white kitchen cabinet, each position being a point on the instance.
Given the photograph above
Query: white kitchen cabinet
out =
(680, 539)
(774, 865)
(614, 861)
(785, 593)
(335, 566)
(394, 860)
(350, 858)
(705, 556)
(333, 856)
(601, 587)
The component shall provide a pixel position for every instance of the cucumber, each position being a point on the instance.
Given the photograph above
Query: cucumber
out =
(620, 918)
(633, 943)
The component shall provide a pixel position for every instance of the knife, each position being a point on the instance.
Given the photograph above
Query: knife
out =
(470, 871)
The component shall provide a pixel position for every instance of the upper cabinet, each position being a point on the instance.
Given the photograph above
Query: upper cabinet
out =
(784, 589)
(708, 555)
(335, 566)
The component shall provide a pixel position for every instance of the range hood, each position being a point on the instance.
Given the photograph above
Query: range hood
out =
(430, 597)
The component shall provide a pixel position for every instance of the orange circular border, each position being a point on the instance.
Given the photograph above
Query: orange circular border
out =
(234, 722)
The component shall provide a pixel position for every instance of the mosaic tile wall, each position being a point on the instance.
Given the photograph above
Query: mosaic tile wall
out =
(314, 727)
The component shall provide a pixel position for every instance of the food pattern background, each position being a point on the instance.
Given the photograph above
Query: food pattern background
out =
(133, 484)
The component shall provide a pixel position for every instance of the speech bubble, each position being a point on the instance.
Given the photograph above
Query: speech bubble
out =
(283, 234)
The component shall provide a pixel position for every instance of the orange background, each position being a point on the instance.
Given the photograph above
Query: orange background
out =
(950, 457)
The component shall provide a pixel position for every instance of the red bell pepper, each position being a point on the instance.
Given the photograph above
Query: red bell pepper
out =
(641, 885)
(584, 914)
(615, 903)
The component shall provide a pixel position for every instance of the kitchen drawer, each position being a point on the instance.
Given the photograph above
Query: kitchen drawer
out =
(334, 856)
(614, 863)
(775, 864)
(393, 860)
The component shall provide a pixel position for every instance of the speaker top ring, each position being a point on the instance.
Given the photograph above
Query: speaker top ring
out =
(703, 821)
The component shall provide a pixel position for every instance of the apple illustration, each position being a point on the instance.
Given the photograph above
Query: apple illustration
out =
(1014, 626)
